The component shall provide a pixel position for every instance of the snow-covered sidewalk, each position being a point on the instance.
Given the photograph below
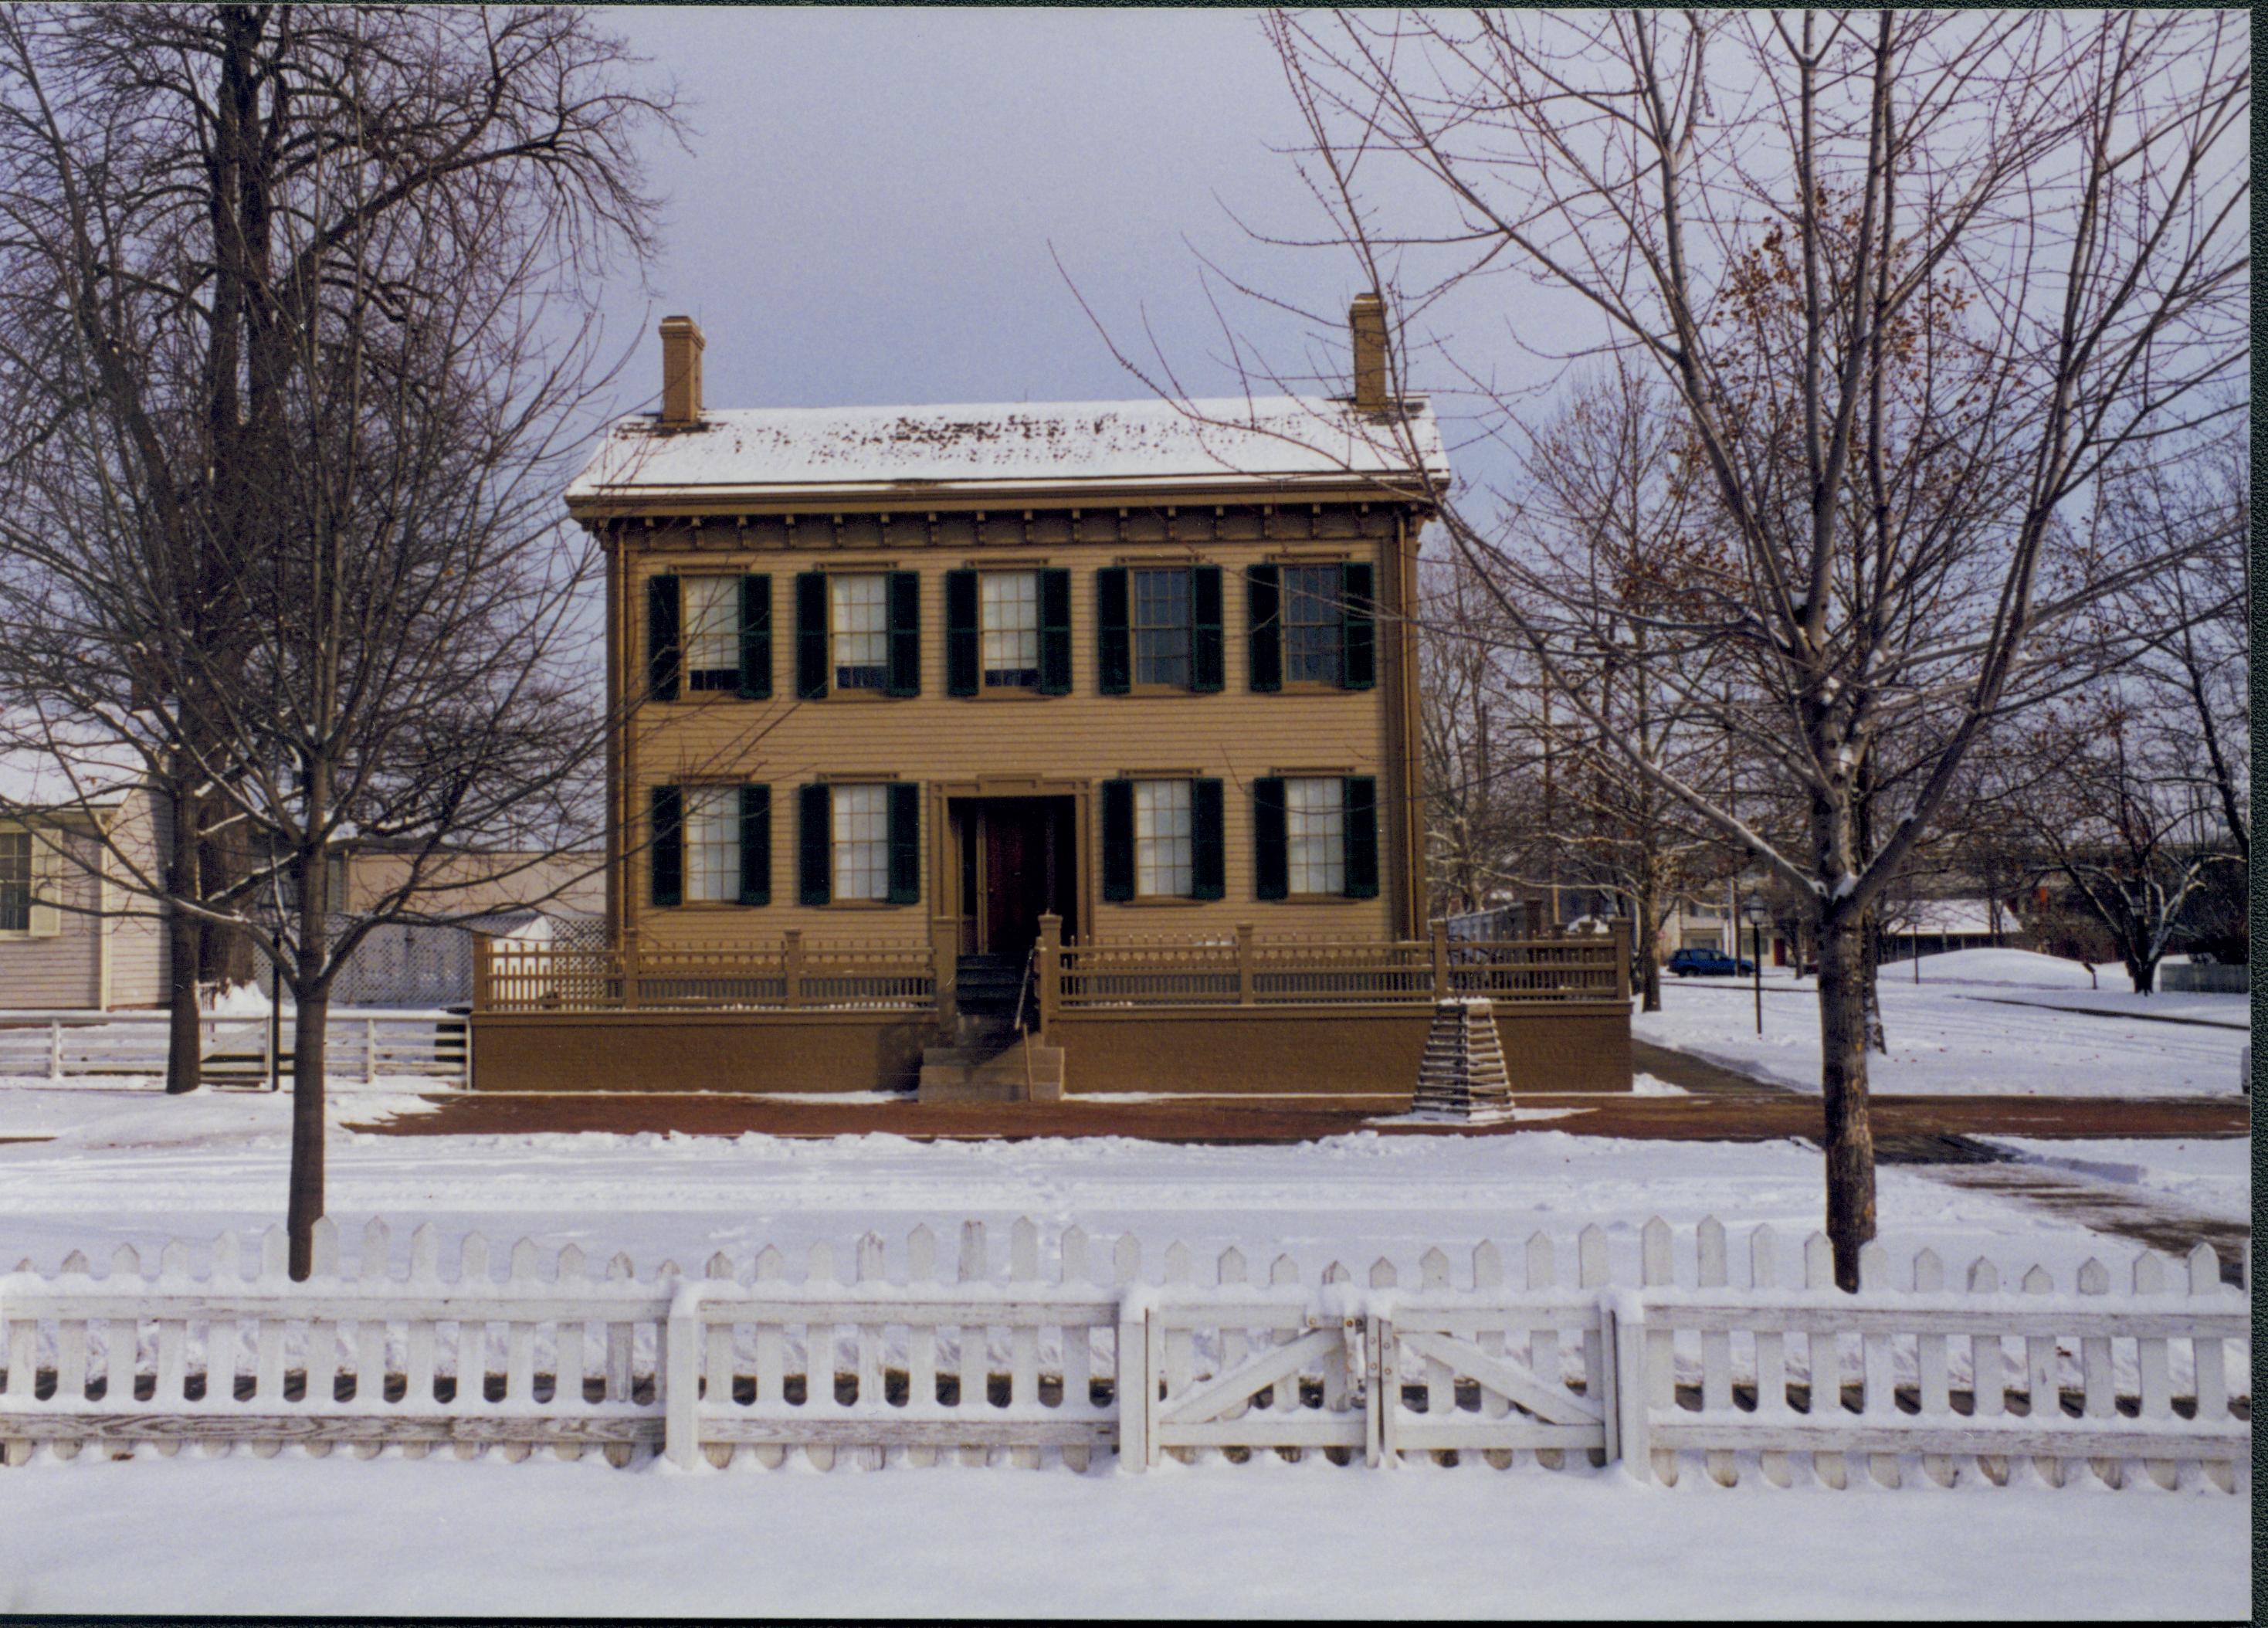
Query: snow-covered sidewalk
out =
(1981, 1021)
(1263, 1539)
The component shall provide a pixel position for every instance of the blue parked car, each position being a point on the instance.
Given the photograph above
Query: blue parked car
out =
(1708, 963)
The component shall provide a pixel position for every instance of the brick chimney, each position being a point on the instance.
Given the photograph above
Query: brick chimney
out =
(681, 371)
(1366, 320)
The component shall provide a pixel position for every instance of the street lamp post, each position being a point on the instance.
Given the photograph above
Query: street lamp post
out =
(1756, 914)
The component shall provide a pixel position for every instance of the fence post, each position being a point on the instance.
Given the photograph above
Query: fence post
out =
(1621, 936)
(54, 1048)
(1440, 959)
(1050, 971)
(945, 968)
(680, 1378)
(368, 1050)
(1244, 963)
(1135, 1384)
(1626, 1337)
(792, 967)
(629, 968)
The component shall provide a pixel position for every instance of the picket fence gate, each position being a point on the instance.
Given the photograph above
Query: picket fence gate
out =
(959, 1360)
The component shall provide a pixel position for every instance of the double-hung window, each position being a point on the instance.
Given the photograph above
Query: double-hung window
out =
(1314, 832)
(1164, 844)
(861, 842)
(15, 882)
(1162, 628)
(1009, 626)
(712, 845)
(1315, 632)
(859, 620)
(713, 632)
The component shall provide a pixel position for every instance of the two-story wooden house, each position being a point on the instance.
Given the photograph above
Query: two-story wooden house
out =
(1106, 710)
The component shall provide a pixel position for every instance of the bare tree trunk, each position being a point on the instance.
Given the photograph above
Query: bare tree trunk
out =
(1649, 966)
(1843, 1077)
(310, 1025)
(184, 945)
(1870, 941)
(2144, 972)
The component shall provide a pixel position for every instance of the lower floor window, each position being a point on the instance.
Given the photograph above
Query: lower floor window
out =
(1164, 857)
(15, 882)
(712, 844)
(1315, 830)
(862, 841)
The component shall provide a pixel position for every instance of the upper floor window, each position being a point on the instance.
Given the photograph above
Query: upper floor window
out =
(1162, 628)
(15, 882)
(860, 622)
(861, 833)
(1010, 628)
(1313, 625)
(1315, 830)
(713, 632)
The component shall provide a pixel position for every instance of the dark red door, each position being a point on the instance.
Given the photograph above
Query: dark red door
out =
(1015, 874)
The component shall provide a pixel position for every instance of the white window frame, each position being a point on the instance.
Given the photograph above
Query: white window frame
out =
(1007, 646)
(1164, 839)
(712, 843)
(1186, 627)
(1315, 837)
(10, 836)
(712, 636)
(873, 642)
(859, 843)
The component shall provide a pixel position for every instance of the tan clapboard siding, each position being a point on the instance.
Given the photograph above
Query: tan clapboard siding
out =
(138, 933)
(1235, 736)
(61, 971)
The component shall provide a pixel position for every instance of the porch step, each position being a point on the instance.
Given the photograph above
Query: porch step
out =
(971, 1074)
(988, 983)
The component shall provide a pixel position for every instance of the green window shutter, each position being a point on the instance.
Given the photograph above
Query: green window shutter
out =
(1272, 857)
(666, 845)
(1359, 626)
(1113, 638)
(1263, 605)
(1208, 853)
(960, 672)
(811, 635)
(664, 649)
(755, 844)
(1055, 633)
(905, 633)
(905, 845)
(1117, 840)
(1358, 797)
(755, 638)
(815, 845)
(1204, 630)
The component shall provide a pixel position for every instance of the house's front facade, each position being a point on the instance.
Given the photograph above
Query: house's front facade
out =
(72, 936)
(992, 687)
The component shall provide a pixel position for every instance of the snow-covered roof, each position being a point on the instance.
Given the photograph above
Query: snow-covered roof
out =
(1953, 917)
(1196, 445)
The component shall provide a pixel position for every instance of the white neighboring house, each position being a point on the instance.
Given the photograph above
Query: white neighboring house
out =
(72, 937)
(1934, 926)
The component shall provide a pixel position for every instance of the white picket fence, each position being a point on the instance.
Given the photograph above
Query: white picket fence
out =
(1079, 1350)
(364, 1046)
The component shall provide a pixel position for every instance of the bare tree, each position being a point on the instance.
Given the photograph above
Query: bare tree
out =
(296, 335)
(1913, 281)
(187, 196)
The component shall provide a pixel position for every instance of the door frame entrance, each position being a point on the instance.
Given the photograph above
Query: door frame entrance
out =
(956, 910)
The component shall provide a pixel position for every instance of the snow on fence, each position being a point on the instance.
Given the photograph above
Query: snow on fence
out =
(364, 1046)
(959, 1360)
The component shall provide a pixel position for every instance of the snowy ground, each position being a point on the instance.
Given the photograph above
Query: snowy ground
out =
(2213, 1174)
(393, 1536)
(1980, 1021)
(1261, 1540)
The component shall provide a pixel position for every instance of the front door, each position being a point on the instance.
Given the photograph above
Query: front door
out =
(1018, 856)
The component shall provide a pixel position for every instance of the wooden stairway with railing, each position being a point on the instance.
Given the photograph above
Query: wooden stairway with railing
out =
(993, 1059)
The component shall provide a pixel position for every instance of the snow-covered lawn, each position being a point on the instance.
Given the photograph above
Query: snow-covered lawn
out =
(2213, 1175)
(1980, 1021)
(1265, 1539)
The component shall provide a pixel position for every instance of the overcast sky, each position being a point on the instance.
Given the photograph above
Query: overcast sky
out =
(875, 199)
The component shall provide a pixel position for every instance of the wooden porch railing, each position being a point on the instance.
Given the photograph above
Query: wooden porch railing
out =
(1235, 969)
(791, 976)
